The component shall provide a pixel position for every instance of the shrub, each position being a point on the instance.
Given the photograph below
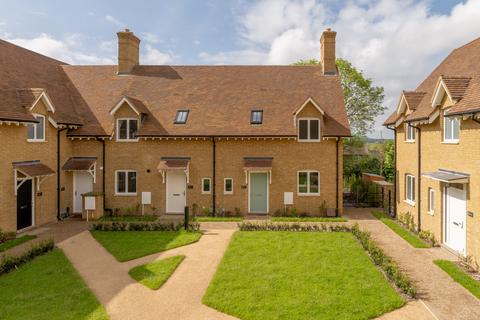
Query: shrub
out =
(9, 263)
(5, 236)
(429, 237)
(142, 226)
(295, 227)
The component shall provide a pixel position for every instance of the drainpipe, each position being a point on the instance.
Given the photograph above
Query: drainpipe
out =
(419, 160)
(213, 176)
(58, 172)
(103, 171)
(336, 182)
(394, 170)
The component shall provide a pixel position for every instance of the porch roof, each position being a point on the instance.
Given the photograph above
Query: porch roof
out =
(79, 163)
(448, 176)
(33, 168)
(255, 163)
(173, 163)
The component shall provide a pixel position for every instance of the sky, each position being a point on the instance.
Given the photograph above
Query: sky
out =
(397, 43)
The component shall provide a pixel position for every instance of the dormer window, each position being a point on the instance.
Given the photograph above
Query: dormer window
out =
(256, 117)
(36, 131)
(127, 129)
(181, 117)
(308, 129)
(451, 129)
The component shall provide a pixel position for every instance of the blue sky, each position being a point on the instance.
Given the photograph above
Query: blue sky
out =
(395, 42)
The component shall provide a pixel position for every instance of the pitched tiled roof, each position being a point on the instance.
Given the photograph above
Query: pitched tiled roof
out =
(220, 98)
(413, 98)
(456, 70)
(471, 100)
(21, 69)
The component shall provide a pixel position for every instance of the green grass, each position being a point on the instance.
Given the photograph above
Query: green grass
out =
(308, 219)
(128, 218)
(15, 242)
(129, 245)
(47, 288)
(460, 276)
(411, 238)
(218, 219)
(299, 275)
(153, 275)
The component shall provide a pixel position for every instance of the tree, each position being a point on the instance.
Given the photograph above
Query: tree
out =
(389, 161)
(363, 101)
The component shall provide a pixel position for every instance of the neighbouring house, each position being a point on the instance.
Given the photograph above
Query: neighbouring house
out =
(247, 139)
(437, 134)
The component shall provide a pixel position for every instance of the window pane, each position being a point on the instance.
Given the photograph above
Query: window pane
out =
(132, 130)
(455, 128)
(228, 185)
(303, 129)
(181, 116)
(257, 117)
(448, 128)
(313, 182)
(132, 182)
(412, 133)
(302, 182)
(314, 134)
(206, 185)
(40, 127)
(121, 182)
(30, 131)
(122, 132)
(413, 188)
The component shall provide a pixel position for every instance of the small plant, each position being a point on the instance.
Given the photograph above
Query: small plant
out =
(429, 237)
(206, 211)
(138, 208)
(154, 210)
(294, 212)
(194, 209)
(238, 213)
(116, 211)
(322, 210)
(5, 236)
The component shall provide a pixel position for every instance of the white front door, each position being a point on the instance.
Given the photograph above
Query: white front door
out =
(176, 191)
(82, 183)
(455, 219)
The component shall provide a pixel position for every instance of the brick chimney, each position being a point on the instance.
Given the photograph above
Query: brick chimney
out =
(327, 52)
(128, 51)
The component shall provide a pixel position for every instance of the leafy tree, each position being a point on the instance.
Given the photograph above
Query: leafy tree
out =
(363, 101)
(388, 162)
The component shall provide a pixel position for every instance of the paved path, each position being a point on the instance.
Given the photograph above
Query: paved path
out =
(445, 298)
(179, 298)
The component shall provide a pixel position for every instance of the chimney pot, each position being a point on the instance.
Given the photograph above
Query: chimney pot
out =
(327, 52)
(128, 51)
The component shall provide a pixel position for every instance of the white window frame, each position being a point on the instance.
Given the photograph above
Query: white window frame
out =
(308, 193)
(308, 129)
(36, 139)
(431, 201)
(410, 134)
(209, 183)
(128, 139)
(410, 187)
(225, 186)
(452, 120)
(126, 193)
(182, 111)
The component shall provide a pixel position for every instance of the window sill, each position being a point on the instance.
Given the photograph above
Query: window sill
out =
(409, 141)
(308, 194)
(409, 202)
(307, 140)
(125, 194)
(36, 141)
(228, 193)
(450, 142)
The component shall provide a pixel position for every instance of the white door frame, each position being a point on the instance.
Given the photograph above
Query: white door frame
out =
(268, 191)
(75, 189)
(446, 224)
(167, 193)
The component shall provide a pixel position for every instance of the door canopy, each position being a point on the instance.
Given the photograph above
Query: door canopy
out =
(88, 164)
(26, 170)
(263, 164)
(174, 164)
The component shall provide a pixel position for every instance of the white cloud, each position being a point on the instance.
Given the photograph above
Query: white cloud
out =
(69, 49)
(153, 56)
(395, 42)
(113, 20)
(150, 37)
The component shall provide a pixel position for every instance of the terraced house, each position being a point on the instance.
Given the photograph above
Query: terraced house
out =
(250, 139)
(437, 137)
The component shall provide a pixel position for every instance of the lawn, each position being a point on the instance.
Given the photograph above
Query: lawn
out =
(308, 219)
(460, 276)
(47, 288)
(128, 218)
(15, 242)
(218, 219)
(153, 275)
(411, 238)
(129, 245)
(299, 275)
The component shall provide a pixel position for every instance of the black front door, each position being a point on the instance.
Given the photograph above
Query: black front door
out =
(24, 205)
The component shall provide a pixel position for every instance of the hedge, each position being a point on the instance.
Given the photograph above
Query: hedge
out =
(9, 262)
(142, 226)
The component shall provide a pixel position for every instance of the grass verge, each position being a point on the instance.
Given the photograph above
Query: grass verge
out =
(15, 242)
(218, 219)
(460, 276)
(45, 288)
(308, 219)
(128, 218)
(153, 275)
(129, 245)
(292, 275)
(411, 238)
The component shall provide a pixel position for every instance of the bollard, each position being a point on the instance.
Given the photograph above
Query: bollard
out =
(186, 218)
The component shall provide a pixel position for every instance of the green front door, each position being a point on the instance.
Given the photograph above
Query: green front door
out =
(258, 192)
